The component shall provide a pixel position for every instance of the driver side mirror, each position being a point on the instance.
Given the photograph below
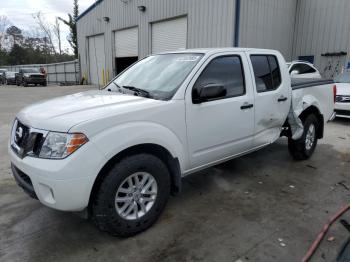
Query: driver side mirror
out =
(208, 92)
(294, 72)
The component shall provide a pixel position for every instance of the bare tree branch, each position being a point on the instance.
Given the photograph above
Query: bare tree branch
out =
(4, 24)
(46, 30)
(57, 33)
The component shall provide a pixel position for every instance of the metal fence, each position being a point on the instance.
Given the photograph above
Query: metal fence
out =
(58, 73)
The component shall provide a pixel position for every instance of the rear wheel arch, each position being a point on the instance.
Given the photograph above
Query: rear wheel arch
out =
(162, 153)
(313, 110)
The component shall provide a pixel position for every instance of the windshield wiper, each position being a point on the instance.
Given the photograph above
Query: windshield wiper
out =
(138, 91)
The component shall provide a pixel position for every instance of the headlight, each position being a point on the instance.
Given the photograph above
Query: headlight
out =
(61, 145)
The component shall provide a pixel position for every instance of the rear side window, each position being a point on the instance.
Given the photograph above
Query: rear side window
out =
(226, 71)
(266, 71)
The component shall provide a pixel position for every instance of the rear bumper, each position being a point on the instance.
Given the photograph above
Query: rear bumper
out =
(342, 110)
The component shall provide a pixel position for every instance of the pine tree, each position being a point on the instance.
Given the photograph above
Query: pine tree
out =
(72, 24)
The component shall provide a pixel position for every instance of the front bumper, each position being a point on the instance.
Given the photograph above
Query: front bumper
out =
(35, 80)
(342, 110)
(60, 184)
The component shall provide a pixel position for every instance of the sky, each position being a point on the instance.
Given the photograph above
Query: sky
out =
(20, 12)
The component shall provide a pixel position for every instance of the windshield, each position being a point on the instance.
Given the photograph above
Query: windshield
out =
(158, 76)
(343, 78)
(30, 70)
(10, 74)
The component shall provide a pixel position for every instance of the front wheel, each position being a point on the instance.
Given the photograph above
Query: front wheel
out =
(132, 195)
(304, 147)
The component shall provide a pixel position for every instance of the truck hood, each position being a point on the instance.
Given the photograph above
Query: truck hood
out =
(343, 89)
(60, 114)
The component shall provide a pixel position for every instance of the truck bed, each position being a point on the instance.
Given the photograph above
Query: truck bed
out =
(298, 83)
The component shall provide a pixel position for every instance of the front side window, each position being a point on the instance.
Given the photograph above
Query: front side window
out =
(158, 76)
(266, 71)
(225, 71)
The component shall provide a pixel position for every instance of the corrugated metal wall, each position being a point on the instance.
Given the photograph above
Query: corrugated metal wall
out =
(268, 24)
(210, 24)
(57, 73)
(323, 26)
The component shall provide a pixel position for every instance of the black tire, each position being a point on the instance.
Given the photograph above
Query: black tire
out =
(17, 83)
(104, 212)
(44, 84)
(25, 84)
(298, 148)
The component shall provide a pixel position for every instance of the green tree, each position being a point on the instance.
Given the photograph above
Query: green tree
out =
(15, 32)
(72, 24)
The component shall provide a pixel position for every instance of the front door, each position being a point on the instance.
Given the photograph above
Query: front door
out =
(221, 127)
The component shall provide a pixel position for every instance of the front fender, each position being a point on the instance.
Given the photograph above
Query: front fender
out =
(118, 138)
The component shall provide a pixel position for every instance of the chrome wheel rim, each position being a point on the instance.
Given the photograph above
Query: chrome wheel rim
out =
(310, 137)
(136, 195)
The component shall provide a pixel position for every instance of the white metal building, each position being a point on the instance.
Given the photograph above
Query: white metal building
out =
(112, 34)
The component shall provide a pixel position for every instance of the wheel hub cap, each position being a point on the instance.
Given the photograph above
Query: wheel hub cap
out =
(310, 137)
(136, 195)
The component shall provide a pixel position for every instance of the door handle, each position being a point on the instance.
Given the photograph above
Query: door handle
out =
(282, 99)
(246, 106)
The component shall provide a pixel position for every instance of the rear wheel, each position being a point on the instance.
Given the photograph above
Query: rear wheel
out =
(132, 195)
(304, 147)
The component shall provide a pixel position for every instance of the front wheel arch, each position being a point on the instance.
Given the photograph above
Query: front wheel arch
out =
(162, 153)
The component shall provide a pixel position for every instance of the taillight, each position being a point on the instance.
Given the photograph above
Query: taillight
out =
(334, 93)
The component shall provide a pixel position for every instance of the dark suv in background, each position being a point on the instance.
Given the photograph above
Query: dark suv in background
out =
(27, 76)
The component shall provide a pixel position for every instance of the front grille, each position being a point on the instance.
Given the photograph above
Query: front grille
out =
(342, 112)
(36, 76)
(23, 181)
(342, 99)
(25, 140)
(24, 177)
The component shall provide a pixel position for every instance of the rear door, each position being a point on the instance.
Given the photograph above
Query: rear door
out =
(272, 96)
(222, 127)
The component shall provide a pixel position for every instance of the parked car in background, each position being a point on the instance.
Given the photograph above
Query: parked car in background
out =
(2, 76)
(10, 77)
(342, 105)
(303, 69)
(119, 152)
(27, 76)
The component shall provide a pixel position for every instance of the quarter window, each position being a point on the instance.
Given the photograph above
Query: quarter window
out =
(266, 71)
(226, 71)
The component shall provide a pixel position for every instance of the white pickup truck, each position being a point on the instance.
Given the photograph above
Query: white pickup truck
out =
(119, 152)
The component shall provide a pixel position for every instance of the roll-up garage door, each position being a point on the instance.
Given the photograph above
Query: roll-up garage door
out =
(97, 60)
(169, 35)
(126, 42)
(126, 48)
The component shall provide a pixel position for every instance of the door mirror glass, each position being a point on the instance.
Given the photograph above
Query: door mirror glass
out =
(294, 72)
(209, 92)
